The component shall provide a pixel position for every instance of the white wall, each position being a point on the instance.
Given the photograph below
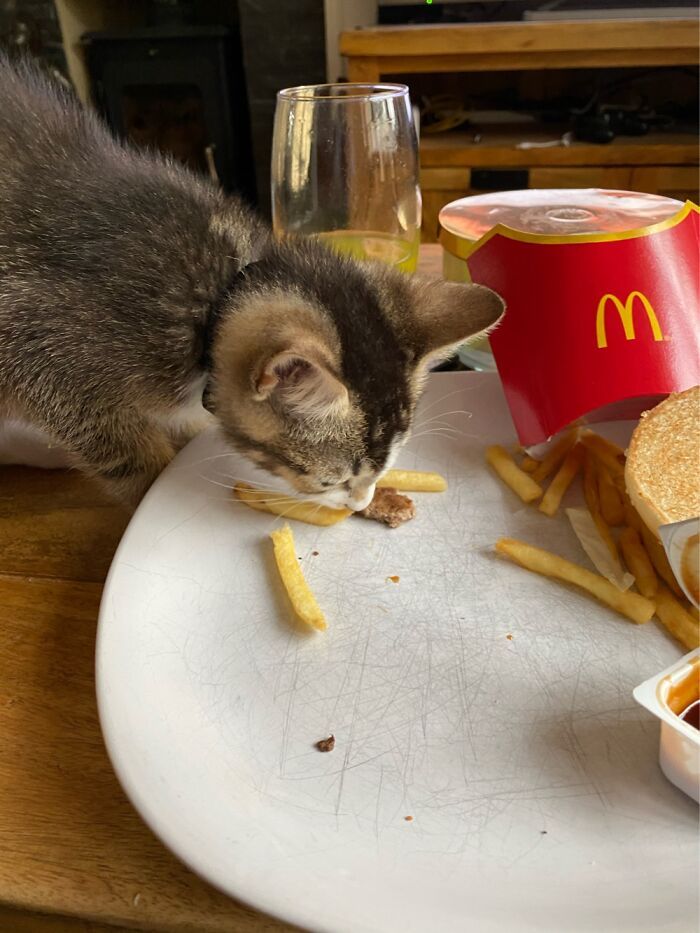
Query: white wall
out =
(341, 15)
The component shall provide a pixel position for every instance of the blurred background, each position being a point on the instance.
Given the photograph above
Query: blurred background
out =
(198, 80)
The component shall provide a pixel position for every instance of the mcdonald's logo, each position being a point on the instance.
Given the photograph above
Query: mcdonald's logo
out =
(626, 314)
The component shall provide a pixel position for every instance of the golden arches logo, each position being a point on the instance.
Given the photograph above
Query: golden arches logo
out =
(626, 314)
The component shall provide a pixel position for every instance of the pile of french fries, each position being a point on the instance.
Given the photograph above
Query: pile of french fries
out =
(300, 595)
(628, 539)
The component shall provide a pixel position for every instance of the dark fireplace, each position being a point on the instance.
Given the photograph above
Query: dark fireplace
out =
(179, 89)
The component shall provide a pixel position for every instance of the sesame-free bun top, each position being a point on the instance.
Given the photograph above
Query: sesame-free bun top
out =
(662, 472)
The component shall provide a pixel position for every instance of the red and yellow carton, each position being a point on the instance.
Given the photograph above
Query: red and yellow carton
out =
(598, 326)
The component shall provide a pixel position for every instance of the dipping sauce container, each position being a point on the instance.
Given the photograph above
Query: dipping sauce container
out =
(673, 696)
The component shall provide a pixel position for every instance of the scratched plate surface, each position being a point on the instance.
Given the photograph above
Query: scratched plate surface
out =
(531, 775)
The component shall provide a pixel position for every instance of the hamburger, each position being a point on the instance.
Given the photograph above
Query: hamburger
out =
(662, 472)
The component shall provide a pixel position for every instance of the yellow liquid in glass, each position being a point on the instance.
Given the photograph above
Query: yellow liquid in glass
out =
(384, 247)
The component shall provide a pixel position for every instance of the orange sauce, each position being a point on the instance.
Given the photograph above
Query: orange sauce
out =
(684, 697)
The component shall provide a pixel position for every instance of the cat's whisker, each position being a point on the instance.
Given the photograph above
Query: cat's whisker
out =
(243, 479)
(441, 399)
(277, 497)
(438, 429)
(477, 437)
(196, 463)
(214, 482)
(454, 411)
(443, 414)
(436, 434)
(229, 453)
(282, 497)
(435, 427)
(441, 432)
(258, 487)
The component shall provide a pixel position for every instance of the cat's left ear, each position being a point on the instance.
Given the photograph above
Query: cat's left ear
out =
(448, 313)
(301, 382)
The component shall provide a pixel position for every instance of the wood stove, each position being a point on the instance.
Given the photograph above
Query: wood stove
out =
(180, 89)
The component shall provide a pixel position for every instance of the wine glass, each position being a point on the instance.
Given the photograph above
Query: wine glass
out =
(345, 169)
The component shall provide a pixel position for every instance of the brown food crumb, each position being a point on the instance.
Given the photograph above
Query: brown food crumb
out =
(393, 579)
(326, 745)
(409, 819)
(509, 637)
(390, 507)
(314, 553)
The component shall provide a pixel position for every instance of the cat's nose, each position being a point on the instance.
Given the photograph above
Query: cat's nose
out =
(361, 499)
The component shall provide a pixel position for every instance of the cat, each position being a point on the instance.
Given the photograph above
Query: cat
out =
(130, 288)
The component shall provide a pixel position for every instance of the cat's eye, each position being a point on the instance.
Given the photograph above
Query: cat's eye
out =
(326, 484)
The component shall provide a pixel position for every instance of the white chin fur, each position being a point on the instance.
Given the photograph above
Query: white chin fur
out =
(340, 499)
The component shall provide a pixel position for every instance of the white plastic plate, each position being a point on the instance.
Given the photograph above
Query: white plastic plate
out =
(531, 775)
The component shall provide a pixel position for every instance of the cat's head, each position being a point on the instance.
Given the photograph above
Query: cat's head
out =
(319, 361)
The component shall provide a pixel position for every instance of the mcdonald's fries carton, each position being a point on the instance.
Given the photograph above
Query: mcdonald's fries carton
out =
(601, 289)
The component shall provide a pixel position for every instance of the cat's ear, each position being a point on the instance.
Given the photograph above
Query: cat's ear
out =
(301, 382)
(447, 313)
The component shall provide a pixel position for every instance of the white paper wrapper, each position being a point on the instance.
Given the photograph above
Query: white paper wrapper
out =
(681, 542)
(597, 550)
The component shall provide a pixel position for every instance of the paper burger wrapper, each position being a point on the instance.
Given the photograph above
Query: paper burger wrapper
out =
(598, 326)
(681, 541)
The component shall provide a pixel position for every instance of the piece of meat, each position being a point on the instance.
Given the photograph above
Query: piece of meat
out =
(390, 507)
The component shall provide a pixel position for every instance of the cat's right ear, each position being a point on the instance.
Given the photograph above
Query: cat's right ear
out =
(448, 313)
(301, 383)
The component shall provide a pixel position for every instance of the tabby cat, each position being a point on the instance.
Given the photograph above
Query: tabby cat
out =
(129, 287)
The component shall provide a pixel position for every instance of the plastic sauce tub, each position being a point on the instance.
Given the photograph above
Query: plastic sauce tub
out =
(673, 696)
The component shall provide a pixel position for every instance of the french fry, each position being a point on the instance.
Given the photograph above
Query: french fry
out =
(590, 494)
(504, 465)
(657, 555)
(590, 485)
(638, 562)
(653, 547)
(302, 599)
(635, 607)
(604, 450)
(632, 517)
(604, 444)
(412, 481)
(676, 619)
(266, 500)
(554, 456)
(611, 504)
(528, 464)
(563, 479)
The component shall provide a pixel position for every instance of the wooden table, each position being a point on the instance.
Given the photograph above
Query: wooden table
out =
(74, 855)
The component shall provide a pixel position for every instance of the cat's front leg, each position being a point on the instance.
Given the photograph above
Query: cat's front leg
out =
(181, 430)
(124, 454)
(186, 419)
